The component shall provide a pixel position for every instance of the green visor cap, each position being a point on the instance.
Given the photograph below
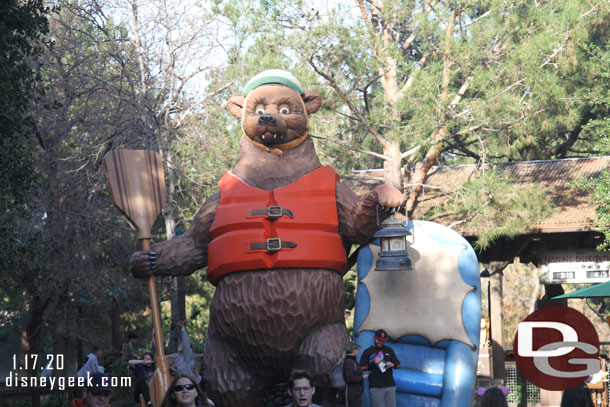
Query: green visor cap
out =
(274, 76)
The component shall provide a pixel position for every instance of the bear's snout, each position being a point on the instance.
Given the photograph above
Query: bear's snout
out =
(267, 119)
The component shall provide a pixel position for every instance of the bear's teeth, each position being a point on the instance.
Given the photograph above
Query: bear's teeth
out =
(263, 136)
(275, 136)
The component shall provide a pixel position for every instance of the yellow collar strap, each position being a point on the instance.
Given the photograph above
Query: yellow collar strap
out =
(277, 148)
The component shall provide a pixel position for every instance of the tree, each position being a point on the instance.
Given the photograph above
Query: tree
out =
(75, 123)
(172, 47)
(22, 24)
(125, 74)
(598, 128)
(414, 84)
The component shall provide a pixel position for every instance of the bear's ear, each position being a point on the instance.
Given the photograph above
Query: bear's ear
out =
(236, 105)
(313, 101)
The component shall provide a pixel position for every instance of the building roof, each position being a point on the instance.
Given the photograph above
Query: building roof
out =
(572, 210)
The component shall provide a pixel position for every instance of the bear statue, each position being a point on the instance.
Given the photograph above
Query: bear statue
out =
(275, 240)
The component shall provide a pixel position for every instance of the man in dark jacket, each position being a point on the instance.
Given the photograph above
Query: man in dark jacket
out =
(381, 361)
(352, 373)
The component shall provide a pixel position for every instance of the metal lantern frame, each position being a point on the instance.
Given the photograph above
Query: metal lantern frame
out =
(393, 254)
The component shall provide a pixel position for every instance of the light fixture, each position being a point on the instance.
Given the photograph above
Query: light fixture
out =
(393, 254)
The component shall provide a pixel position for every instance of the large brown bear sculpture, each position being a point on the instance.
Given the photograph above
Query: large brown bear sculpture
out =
(274, 239)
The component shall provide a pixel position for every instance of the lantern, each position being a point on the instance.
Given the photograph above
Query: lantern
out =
(393, 255)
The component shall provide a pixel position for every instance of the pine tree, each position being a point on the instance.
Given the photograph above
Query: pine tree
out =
(417, 84)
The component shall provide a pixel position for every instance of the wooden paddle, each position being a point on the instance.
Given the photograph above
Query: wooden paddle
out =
(137, 188)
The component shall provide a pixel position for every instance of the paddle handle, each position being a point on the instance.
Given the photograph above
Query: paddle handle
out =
(160, 381)
(154, 306)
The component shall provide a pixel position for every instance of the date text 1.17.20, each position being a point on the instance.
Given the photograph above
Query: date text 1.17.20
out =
(32, 362)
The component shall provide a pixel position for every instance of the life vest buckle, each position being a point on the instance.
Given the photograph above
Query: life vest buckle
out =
(274, 244)
(275, 211)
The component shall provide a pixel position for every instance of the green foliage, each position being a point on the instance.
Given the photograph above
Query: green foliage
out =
(600, 186)
(495, 205)
(22, 23)
(537, 75)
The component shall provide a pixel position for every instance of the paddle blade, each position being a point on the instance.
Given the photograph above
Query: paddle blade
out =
(137, 186)
(160, 381)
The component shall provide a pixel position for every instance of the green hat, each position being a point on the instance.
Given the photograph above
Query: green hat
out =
(274, 76)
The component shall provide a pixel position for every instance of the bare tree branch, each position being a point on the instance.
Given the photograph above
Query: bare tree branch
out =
(411, 80)
(410, 152)
(351, 106)
(558, 50)
(468, 24)
(346, 145)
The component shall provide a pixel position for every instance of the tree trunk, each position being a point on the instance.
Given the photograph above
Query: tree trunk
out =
(177, 292)
(178, 308)
(30, 333)
(535, 289)
(392, 166)
(60, 330)
(495, 269)
(416, 178)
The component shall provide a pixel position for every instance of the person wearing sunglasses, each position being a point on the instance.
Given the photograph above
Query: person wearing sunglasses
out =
(185, 392)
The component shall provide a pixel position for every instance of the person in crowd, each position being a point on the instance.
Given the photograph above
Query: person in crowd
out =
(493, 396)
(143, 369)
(92, 365)
(185, 392)
(352, 373)
(128, 350)
(579, 396)
(97, 394)
(185, 361)
(301, 388)
(381, 360)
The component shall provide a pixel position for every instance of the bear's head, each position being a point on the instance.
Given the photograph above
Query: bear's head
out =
(274, 110)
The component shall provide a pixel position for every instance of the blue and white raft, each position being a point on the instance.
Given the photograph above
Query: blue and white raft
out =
(431, 313)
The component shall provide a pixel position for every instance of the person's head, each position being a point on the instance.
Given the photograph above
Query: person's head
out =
(579, 396)
(381, 337)
(98, 394)
(352, 348)
(301, 388)
(494, 397)
(97, 351)
(132, 338)
(148, 358)
(183, 392)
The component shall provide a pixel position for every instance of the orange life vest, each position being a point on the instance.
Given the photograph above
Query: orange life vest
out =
(295, 226)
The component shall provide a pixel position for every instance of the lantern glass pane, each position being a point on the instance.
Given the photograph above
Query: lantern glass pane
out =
(397, 243)
(385, 244)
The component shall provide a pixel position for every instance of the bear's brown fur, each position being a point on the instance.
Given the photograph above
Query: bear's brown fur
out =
(265, 323)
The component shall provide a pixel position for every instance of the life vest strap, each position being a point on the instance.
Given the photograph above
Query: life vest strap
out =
(272, 212)
(273, 244)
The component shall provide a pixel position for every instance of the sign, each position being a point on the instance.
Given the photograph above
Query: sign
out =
(575, 266)
(556, 348)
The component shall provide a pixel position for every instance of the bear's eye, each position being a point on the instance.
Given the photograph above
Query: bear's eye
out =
(260, 111)
(284, 110)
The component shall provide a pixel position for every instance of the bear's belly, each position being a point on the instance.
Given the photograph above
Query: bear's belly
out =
(276, 308)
